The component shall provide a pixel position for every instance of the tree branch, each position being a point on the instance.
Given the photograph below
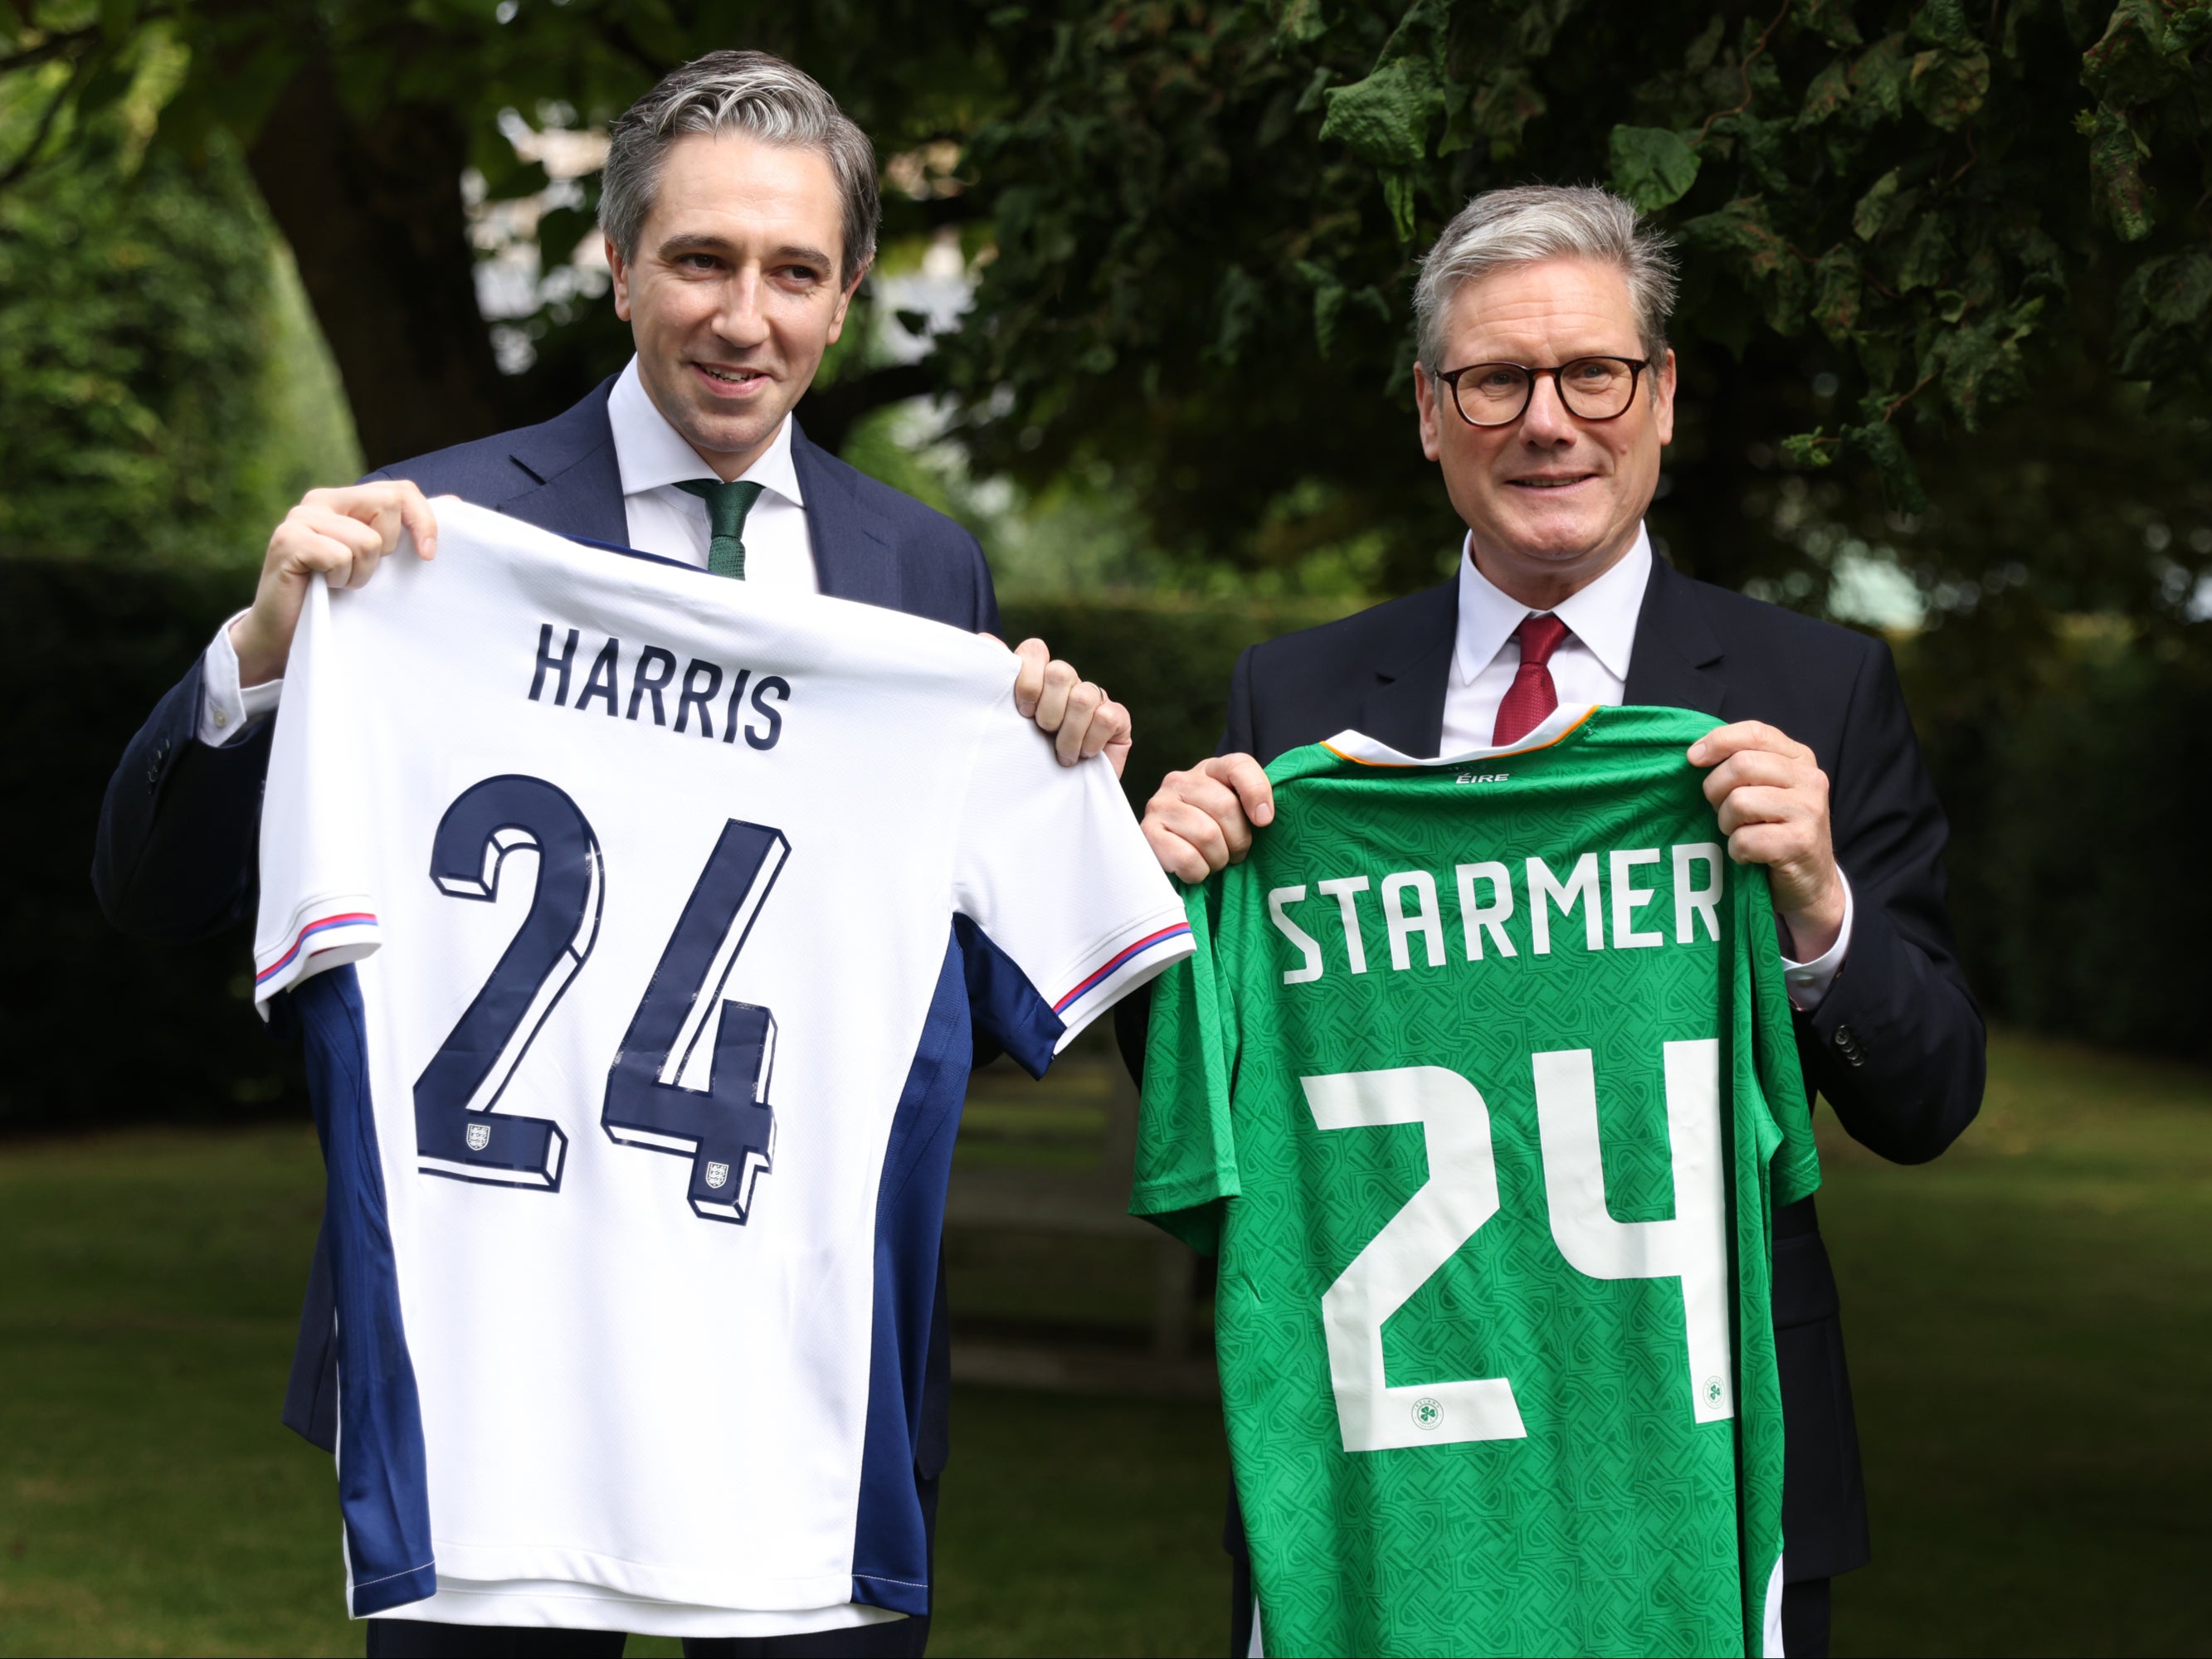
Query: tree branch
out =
(54, 45)
(1755, 54)
(1899, 402)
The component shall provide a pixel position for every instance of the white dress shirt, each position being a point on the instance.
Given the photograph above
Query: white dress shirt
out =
(653, 458)
(1590, 664)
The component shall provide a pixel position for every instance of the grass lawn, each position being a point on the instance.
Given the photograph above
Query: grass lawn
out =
(2030, 1321)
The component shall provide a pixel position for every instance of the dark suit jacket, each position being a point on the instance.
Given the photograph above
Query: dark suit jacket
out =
(1896, 1046)
(179, 831)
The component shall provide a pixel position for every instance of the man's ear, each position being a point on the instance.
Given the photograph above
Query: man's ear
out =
(1424, 400)
(1663, 399)
(618, 268)
(845, 302)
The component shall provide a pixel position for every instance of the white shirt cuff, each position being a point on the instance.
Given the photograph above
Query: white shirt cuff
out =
(229, 710)
(1808, 982)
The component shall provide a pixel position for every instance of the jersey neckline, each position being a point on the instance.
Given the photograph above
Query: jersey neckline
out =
(1554, 728)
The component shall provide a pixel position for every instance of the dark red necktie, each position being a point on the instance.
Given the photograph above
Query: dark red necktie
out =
(1532, 695)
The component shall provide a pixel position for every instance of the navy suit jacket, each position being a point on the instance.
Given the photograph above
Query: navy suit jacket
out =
(179, 831)
(1896, 1046)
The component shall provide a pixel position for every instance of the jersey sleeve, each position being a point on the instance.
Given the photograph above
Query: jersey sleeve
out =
(1186, 1146)
(316, 908)
(1795, 1162)
(1067, 908)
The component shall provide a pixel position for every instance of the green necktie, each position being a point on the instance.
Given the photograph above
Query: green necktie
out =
(727, 507)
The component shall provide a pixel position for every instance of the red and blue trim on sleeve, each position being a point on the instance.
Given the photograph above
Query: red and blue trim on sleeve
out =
(321, 924)
(1093, 980)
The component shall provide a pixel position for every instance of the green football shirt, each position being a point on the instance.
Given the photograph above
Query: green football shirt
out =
(1483, 1085)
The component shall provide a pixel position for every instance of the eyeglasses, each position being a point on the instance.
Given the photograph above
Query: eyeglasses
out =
(1590, 388)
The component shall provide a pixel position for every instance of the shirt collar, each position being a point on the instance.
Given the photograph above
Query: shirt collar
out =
(1602, 616)
(651, 453)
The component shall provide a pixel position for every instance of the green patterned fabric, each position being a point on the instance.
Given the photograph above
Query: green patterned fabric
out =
(1482, 1082)
(727, 504)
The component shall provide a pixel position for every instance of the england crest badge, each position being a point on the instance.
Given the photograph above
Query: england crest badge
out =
(718, 1175)
(479, 1136)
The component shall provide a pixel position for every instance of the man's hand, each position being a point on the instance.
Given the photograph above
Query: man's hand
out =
(1772, 798)
(1202, 820)
(342, 534)
(1082, 719)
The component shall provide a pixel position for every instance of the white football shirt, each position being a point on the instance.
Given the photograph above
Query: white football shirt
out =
(659, 909)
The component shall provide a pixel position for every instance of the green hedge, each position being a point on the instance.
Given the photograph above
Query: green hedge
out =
(2079, 813)
(2080, 810)
(98, 1028)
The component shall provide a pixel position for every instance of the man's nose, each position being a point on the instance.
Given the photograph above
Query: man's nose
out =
(1546, 420)
(740, 319)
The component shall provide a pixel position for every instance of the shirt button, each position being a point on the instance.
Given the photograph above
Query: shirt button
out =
(221, 718)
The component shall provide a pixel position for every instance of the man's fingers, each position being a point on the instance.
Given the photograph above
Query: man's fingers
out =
(1250, 780)
(1029, 677)
(1225, 810)
(1060, 682)
(1201, 831)
(354, 534)
(1768, 844)
(419, 520)
(1072, 742)
(1722, 742)
(1758, 768)
(1762, 805)
(1177, 856)
(1110, 724)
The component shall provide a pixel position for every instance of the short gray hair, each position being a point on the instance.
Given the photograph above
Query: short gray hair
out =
(1519, 227)
(747, 92)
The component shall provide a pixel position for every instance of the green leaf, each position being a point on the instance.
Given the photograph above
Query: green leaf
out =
(1944, 23)
(1927, 255)
(1398, 194)
(1385, 119)
(2135, 61)
(1759, 256)
(1501, 108)
(1328, 303)
(2177, 290)
(1948, 87)
(1809, 450)
(1981, 365)
(1829, 19)
(1830, 91)
(1835, 293)
(1878, 81)
(1879, 442)
(2189, 28)
(1871, 216)
(1298, 21)
(1706, 46)
(1652, 167)
(2115, 178)
(1239, 300)
(2166, 308)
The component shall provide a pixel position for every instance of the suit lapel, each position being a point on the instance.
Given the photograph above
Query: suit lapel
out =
(578, 482)
(1406, 709)
(854, 558)
(1675, 662)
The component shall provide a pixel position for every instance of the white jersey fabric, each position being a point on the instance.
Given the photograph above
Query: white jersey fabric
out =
(635, 922)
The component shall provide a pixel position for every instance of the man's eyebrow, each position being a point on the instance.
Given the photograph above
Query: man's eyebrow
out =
(697, 242)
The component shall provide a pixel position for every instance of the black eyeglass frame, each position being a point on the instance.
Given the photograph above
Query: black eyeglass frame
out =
(1635, 368)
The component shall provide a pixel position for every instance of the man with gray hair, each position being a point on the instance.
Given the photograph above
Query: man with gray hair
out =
(739, 210)
(1546, 391)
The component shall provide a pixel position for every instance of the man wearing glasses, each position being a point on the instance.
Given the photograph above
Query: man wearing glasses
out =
(1546, 392)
